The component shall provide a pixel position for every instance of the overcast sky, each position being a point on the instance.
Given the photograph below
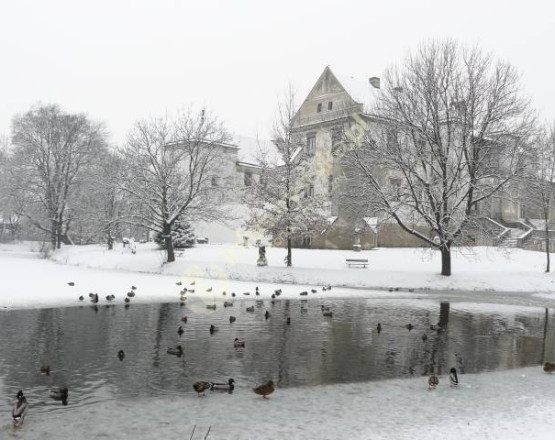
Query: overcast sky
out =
(120, 61)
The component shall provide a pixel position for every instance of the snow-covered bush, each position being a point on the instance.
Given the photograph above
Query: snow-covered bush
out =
(182, 236)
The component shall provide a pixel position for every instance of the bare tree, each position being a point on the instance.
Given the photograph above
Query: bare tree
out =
(451, 131)
(51, 150)
(540, 184)
(169, 170)
(283, 203)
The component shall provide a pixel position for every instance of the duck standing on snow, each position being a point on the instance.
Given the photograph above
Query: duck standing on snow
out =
(229, 386)
(59, 394)
(265, 390)
(549, 367)
(453, 379)
(433, 382)
(19, 409)
(201, 387)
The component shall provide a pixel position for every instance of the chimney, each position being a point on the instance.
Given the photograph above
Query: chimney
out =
(375, 81)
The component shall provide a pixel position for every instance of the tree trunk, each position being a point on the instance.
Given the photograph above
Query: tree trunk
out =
(169, 242)
(53, 235)
(445, 260)
(289, 257)
(547, 266)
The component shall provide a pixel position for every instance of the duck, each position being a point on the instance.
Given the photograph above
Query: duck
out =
(433, 382)
(94, 298)
(379, 328)
(213, 329)
(45, 369)
(229, 386)
(192, 283)
(81, 298)
(191, 290)
(409, 326)
(288, 321)
(133, 288)
(277, 292)
(304, 293)
(131, 294)
(178, 283)
(246, 293)
(211, 306)
(71, 283)
(250, 309)
(121, 355)
(58, 393)
(453, 379)
(424, 337)
(19, 409)
(209, 289)
(184, 320)
(273, 296)
(549, 367)
(180, 331)
(233, 294)
(110, 297)
(267, 314)
(303, 309)
(177, 351)
(126, 300)
(265, 390)
(224, 293)
(232, 319)
(238, 343)
(313, 290)
(201, 386)
(228, 304)
(327, 313)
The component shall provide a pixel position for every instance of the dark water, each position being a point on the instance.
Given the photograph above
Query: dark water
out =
(81, 345)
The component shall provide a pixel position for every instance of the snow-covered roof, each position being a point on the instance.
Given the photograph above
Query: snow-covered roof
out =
(359, 89)
(251, 149)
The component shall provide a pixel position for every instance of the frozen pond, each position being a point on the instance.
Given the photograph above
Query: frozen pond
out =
(80, 344)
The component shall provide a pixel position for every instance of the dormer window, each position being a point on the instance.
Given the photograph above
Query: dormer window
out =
(319, 108)
(330, 105)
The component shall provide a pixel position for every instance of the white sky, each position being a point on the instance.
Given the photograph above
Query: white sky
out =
(120, 61)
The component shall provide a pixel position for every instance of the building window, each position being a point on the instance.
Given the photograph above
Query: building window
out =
(248, 178)
(330, 105)
(311, 144)
(319, 109)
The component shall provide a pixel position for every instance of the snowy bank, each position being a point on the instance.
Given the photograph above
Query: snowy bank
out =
(512, 405)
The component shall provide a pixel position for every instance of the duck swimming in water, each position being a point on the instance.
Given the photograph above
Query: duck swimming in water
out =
(45, 369)
(265, 390)
(177, 351)
(58, 393)
(201, 386)
(238, 343)
(19, 409)
(229, 386)
(121, 355)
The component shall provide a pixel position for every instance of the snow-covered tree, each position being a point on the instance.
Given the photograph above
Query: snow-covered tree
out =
(182, 236)
(51, 150)
(282, 201)
(450, 130)
(169, 165)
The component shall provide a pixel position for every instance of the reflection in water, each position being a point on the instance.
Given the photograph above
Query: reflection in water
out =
(81, 346)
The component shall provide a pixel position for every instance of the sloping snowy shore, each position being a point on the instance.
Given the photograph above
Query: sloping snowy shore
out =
(508, 405)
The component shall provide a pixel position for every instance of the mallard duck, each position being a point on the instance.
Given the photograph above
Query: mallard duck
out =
(228, 304)
(184, 320)
(133, 288)
(19, 409)
(110, 297)
(191, 290)
(209, 289)
(131, 294)
(224, 293)
(379, 328)
(433, 381)
(58, 393)
(453, 379)
(94, 298)
(246, 293)
(121, 355)
(313, 290)
(232, 319)
(273, 296)
(409, 326)
(238, 343)
(71, 283)
(233, 294)
(304, 293)
(229, 386)
(213, 329)
(177, 351)
(180, 331)
(45, 369)
(126, 300)
(424, 337)
(178, 283)
(201, 387)
(327, 313)
(277, 292)
(211, 306)
(267, 314)
(250, 309)
(265, 390)
(81, 298)
(288, 321)
(193, 283)
(549, 367)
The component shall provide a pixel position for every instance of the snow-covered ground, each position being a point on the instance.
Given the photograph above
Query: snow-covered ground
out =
(508, 405)
(514, 404)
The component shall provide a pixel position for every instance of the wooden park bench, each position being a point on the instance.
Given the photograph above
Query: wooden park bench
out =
(362, 262)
